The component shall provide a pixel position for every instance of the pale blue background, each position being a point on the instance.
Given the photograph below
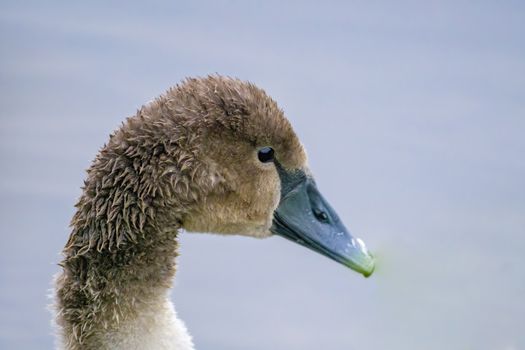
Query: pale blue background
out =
(413, 114)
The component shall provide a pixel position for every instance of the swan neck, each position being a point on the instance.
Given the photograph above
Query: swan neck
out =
(116, 282)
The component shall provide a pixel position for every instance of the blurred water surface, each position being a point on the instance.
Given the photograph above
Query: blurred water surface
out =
(413, 114)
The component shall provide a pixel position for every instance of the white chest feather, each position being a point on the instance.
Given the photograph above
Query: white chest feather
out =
(157, 328)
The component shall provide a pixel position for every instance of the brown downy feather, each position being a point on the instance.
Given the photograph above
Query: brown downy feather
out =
(186, 160)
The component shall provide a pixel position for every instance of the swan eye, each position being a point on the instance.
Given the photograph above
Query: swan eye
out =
(265, 154)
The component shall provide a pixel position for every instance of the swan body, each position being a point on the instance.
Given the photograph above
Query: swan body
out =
(212, 154)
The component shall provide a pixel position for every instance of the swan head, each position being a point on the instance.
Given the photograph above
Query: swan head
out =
(229, 162)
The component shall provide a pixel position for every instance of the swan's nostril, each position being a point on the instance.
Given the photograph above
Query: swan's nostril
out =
(321, 215)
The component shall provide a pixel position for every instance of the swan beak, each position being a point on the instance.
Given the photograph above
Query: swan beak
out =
(305, 217)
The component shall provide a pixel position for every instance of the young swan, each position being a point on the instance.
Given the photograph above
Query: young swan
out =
(213, 155)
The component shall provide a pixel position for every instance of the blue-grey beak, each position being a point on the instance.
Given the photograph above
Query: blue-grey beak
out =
(305, 217)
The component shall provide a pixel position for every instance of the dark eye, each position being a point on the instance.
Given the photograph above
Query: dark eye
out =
(265, 154)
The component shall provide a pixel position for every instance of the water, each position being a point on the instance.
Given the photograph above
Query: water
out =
(412, 115)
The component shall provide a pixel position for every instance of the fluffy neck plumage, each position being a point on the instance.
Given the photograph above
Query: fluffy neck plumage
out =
(120, 300)
(118, 264)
